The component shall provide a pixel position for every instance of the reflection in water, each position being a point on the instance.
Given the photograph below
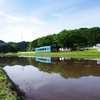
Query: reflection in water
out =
(43, 59)
(62, 79)
(66, 67)
(46, 59)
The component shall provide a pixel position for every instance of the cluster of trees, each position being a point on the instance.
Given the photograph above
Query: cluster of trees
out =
(83, 37)
(13, 47)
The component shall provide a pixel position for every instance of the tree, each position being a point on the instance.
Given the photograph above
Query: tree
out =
(69, 38)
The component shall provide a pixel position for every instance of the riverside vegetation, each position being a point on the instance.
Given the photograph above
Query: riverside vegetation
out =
(91, 53)
(7, 90)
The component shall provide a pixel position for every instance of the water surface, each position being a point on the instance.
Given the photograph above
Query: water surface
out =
(48, 78)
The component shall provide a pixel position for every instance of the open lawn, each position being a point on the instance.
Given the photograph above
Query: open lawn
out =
(91, 53)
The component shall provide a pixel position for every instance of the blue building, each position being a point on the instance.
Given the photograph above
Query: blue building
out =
(43, 49)
(52, 48)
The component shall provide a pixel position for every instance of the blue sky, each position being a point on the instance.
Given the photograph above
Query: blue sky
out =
(30, 19)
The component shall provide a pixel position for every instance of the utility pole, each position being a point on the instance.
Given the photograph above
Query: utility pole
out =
(23, 45)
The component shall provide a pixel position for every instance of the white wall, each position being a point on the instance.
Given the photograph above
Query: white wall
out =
(98, 47)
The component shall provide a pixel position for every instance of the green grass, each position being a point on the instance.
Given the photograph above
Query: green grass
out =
(75, 54)
(7, 91)
(91, 53)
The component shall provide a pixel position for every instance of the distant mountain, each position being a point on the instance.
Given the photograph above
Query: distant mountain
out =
(1, 42)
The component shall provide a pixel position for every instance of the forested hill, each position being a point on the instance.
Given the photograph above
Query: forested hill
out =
(83, 37)
(1, 42)
(13, 47)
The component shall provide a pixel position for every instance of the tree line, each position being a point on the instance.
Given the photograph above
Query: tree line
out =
(83, 37)
(13, 47)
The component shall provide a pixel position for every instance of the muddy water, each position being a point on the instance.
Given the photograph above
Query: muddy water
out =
(45, 78)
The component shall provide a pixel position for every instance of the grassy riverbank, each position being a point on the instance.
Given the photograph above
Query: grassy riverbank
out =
(91, 53)
(7, 90)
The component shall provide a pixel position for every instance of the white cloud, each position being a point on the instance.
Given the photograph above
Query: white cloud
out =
(13, 27)
(15, 33)
(44, 19)
(86, 18)
(17, 19)
(37, 21)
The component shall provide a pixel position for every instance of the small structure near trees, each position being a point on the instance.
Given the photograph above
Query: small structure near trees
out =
(98, 47)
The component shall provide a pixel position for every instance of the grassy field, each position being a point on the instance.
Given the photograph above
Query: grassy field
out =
(91, 53)
(7, 90)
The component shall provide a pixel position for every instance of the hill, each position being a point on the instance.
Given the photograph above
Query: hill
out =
(1, 42)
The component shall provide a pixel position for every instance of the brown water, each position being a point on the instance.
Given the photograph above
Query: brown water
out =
(55, 78)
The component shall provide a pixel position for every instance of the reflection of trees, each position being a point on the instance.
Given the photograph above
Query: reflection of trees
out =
(72, 68)
(13, 61)
(68, 68)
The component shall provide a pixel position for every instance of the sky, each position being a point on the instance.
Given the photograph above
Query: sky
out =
(27, 20)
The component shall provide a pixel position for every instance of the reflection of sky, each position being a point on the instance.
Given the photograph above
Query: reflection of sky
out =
(47, 86)
(23, 72)
(27, 74)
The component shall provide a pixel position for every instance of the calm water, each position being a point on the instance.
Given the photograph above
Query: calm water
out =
(45, 78)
